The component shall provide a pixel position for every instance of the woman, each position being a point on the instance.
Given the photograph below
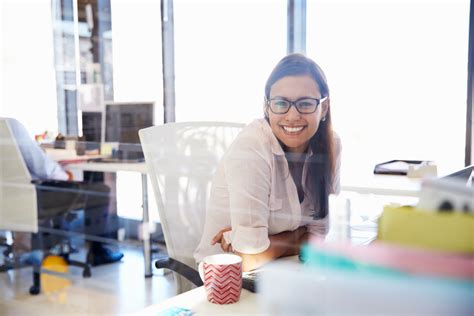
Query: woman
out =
(271, 188)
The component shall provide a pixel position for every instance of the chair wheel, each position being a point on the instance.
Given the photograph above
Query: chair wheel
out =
(7, 252)
(86, 273)
(35, 290)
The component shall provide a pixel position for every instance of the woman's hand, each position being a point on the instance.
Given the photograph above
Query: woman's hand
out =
(70, 175)
(219, 238)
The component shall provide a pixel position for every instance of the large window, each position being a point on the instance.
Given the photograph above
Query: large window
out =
(136, 33)
(397, 73)
(224, 51)
(137, 76)
(27, 83)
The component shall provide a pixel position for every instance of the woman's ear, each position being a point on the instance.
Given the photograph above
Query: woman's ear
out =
(265, 111)
(325, 107)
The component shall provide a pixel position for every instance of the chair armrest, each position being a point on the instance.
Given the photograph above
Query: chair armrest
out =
(180, 268)
(49, 182)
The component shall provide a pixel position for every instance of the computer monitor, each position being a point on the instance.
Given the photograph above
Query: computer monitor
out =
(123, 120)
(92, 129)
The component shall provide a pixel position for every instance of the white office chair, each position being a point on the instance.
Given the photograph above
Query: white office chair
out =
(18, 208)
(181, 160)
(18, 198)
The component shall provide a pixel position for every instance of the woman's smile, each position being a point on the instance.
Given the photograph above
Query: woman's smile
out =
(292, 130)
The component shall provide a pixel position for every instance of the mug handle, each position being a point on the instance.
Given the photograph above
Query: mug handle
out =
(201, 270)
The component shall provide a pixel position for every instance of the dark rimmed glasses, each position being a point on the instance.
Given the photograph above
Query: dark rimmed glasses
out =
(305, 105)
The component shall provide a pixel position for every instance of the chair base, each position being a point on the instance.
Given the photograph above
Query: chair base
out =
(35, 289)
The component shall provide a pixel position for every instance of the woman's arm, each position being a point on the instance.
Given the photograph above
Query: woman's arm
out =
(281, 245)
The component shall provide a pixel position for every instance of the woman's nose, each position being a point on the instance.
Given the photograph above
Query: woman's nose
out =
(293, 113)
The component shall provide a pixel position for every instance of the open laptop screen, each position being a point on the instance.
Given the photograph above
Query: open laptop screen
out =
(464, 175)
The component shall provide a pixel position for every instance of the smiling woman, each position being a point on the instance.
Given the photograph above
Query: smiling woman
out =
(271, 189)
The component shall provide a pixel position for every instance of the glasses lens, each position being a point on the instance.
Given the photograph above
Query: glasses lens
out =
(307, 105)
(279, 106)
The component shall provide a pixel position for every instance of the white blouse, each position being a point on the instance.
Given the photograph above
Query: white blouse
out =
(254, 193)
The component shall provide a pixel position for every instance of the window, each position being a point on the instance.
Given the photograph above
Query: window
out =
(397, 73)
(136, 33)
(224, 51)
(28, 91)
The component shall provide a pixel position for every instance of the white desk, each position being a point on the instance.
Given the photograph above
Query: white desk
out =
(382, 185)
(196, 301)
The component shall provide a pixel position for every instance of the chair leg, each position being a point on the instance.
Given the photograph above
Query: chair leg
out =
(35, 289)
(86, 273)
(36, 243)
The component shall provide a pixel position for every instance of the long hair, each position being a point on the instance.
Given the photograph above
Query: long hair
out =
(321, 168)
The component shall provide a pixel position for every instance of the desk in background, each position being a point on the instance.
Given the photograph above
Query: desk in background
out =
(80, 163)
(391, 185)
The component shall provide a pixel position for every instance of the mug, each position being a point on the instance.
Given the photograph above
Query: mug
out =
(222, 277)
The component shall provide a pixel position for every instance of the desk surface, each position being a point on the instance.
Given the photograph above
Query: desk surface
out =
(108, 166)
(363, 182)
(71, 161)
(382, 185)
(196, 301)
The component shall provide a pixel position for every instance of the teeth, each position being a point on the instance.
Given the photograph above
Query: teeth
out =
(292, 129)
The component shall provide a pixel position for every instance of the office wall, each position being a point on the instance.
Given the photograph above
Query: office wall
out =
(28, 86)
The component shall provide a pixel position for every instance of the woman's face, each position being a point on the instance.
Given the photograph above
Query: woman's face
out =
(294, 129)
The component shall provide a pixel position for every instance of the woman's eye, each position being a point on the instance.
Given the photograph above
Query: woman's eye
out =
(305, 104)
(280, 104)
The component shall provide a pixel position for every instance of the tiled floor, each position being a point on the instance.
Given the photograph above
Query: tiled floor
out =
(112, 290)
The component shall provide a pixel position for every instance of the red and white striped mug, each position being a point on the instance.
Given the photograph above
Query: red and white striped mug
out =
(222, 277)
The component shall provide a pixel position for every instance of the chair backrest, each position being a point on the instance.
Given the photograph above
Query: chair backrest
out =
(18, 204)
(181, 160)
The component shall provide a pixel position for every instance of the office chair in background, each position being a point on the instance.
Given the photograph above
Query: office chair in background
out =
(19, 205)
(181, 159)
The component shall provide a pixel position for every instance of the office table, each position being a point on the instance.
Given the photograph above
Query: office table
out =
(139, 167)
(196, 301)
(393, 185)
(249, 303)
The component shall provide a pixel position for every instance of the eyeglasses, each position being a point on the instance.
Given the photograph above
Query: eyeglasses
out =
(306, 105)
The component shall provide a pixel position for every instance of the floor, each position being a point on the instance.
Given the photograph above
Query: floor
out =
(114, 289)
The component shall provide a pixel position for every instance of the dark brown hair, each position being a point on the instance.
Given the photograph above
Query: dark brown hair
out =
(322, 163)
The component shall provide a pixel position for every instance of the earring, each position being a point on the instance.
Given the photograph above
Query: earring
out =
(323, 119)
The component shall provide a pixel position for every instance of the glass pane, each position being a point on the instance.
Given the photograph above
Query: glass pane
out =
(136, 33)
(27, 84)
(224, 52)
(397, 73)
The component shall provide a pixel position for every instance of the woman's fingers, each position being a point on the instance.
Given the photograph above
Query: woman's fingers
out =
(226, 247)
(218, 238)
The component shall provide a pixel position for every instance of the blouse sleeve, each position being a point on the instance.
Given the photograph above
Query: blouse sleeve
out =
(248, 175)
